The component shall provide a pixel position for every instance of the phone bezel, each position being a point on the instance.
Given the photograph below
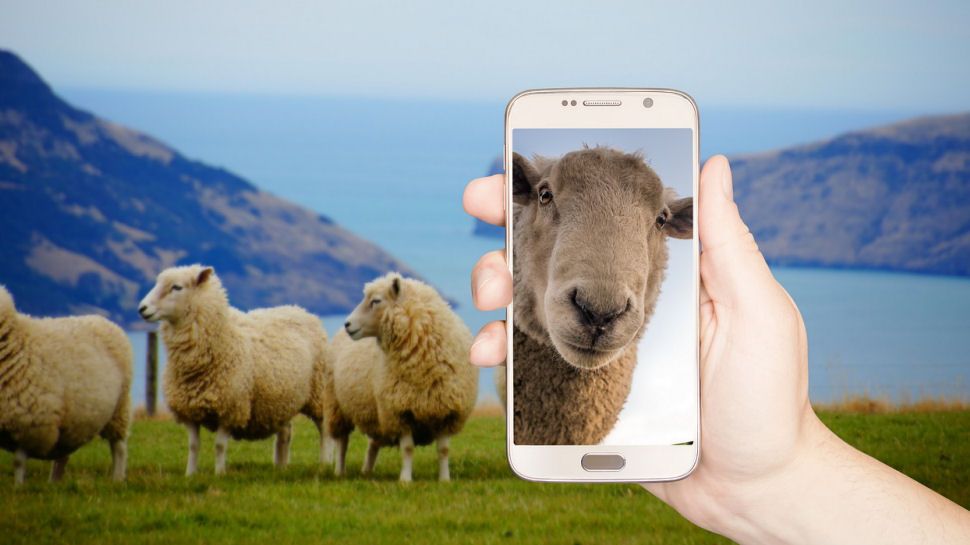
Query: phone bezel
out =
(542, 108)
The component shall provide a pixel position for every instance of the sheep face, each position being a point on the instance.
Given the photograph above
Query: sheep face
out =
(379, 296)
(171, 297)
(591, 233)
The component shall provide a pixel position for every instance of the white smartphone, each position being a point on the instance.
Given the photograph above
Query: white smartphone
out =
(603, 325)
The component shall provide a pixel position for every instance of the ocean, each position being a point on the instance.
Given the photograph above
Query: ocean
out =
(393, 171)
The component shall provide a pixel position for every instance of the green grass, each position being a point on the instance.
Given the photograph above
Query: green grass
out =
(484, 504)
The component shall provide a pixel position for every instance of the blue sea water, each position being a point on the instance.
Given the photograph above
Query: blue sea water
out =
(393, 171)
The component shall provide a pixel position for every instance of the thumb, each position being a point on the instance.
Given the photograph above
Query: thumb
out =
(732, 268)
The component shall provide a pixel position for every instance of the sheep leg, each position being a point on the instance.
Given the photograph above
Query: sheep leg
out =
(341, 452)
(372, 449)
(193, 464)
(19, 466)
(326, 449)
(282, 455)
(407, 457)
(326, 444)
(119, 459)
(222, 445)
(57, 469)
(443, 472)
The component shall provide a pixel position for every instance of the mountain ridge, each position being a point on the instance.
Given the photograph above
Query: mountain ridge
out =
(893, 197)
(91, 211)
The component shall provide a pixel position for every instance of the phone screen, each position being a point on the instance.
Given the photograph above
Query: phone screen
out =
(604, 338)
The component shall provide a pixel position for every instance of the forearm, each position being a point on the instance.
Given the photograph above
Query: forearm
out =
(836, 494)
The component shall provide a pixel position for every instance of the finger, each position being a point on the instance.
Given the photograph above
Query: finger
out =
(490, 345)
(484, 198)
(491, 282)
(732, 267)
(704, 297)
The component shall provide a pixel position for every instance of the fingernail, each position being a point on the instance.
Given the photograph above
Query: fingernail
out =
(484, 336)
(486, 276)
(726, 184)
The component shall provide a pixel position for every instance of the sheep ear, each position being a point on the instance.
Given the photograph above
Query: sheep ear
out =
(203, 275)
(680, 224)
(524, 179)
(396, 287)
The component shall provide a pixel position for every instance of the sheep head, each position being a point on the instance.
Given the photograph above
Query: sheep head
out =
(380, 295)
(177, 291)
(591, 230)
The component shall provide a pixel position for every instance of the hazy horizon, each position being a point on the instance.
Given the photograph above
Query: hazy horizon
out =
(724, 129)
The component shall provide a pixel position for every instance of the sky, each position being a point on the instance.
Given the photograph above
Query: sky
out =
(817, 55)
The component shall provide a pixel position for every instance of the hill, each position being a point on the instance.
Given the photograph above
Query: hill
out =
(91, 211)
(894, 197)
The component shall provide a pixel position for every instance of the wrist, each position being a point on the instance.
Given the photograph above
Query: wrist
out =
(767, 509)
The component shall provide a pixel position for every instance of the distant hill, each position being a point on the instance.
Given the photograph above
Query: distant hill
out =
(91, 211)
(894, 198)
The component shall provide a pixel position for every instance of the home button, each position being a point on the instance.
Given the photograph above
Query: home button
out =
(603, 462)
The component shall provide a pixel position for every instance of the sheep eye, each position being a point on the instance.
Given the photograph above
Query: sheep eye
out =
(662, 220)
(375, 302)
(545, 195)
(176, 287)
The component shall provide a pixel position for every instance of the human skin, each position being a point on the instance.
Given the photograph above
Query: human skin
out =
(770, 471)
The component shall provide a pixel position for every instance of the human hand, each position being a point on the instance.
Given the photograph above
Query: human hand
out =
(756, 419)
(765, 456)
(755, 410)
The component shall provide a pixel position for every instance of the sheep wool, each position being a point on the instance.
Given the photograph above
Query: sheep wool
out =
(501, 385)
(586, 403)
(63, 381)
(244, 375)
(407, 379)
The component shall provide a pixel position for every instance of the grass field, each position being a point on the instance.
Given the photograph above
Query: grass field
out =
(484, 504)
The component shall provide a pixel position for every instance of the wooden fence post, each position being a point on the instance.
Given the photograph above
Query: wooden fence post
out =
(151, 374)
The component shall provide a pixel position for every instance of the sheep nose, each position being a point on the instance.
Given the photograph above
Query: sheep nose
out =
(142, 309)
(596, 318)
(347, 325)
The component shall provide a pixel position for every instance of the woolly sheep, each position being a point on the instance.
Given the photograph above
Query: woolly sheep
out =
(244, 375)
(401, 373)
(62, 382)
(590, 257)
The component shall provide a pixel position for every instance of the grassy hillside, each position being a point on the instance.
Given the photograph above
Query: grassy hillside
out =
(485, 504)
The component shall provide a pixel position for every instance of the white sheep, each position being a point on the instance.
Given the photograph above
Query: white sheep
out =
(244, 375)
(63, 381)
(401, 374)
(501, 385)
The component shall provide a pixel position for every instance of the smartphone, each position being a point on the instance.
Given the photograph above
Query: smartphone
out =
(602, 359)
